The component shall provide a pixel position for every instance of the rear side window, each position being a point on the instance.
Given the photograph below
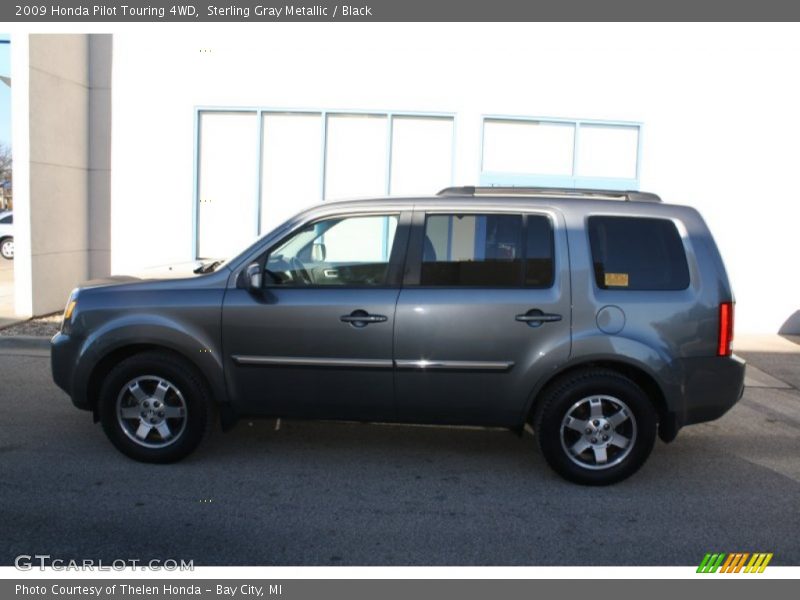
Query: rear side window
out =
(7, 220)
(633, 253)
(487, 251)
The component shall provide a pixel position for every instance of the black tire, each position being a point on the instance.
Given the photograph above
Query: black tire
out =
(7, 248)
(631, 416)
(182, 393)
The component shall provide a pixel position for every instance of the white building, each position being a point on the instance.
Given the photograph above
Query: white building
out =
(218, 133)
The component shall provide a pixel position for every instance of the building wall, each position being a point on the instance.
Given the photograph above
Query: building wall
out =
(62, 220)
(718, 104)
(99, 167)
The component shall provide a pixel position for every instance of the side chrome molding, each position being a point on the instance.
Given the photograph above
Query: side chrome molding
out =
(371, 363)
(294, 361)
(454, 365)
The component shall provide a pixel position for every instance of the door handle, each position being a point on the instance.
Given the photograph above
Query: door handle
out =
(361, 318)
(535, 318)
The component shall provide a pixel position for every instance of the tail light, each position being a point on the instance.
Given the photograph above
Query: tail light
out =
(725, 339)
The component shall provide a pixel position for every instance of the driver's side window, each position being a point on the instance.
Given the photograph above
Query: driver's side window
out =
(340, 251)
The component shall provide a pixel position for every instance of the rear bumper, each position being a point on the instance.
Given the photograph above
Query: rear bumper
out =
(711, 387)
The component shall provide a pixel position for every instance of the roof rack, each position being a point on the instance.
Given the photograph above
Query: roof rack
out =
(624, 195)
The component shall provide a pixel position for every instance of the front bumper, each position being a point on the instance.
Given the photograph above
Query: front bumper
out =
(64, 352)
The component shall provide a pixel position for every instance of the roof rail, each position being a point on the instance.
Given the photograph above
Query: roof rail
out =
(625, 195)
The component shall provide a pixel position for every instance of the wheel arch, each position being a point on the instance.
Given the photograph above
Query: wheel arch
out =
(102, 367)
(667, 425)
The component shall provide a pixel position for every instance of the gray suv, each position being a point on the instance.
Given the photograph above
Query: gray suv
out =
(600, 318)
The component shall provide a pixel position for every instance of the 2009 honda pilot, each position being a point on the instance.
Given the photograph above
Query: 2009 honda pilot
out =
(601, 318)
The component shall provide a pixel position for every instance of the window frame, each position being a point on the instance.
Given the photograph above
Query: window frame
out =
(395, 264)
(413, 268)
(573, 180)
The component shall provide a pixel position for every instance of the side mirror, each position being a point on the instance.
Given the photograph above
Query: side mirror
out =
(252, 277)
(318, 252)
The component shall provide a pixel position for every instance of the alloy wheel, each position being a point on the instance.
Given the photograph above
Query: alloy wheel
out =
(151, 411)
(598, 432)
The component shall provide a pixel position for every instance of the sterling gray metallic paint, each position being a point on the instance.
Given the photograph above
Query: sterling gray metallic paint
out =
(454, 355)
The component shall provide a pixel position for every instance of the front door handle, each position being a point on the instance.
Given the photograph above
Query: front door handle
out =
(535, 317)
(361, 318)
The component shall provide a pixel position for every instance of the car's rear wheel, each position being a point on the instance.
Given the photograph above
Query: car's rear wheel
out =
(7, 248)
(596, 427)
(154, 407)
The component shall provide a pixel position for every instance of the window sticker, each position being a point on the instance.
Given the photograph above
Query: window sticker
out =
(616, 279)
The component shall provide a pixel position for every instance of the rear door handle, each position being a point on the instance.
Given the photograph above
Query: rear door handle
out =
(361, 318)
(535, 317)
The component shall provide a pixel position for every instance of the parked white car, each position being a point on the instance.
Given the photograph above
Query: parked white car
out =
(7, 235)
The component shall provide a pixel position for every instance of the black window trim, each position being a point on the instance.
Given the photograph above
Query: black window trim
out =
(413, 268)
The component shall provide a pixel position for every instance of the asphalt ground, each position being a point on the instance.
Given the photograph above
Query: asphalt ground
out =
(312, 493)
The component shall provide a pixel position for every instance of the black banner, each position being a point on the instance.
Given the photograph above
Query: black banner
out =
(256, 11)
(407, 589)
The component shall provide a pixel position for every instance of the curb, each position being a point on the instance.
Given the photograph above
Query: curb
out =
(24, 342)
(5, 322)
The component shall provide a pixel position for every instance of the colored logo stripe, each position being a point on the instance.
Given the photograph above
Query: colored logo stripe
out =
(758, 563)
(711, 563)
(733, 563)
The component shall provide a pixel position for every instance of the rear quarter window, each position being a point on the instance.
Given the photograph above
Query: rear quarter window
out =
(635, 253)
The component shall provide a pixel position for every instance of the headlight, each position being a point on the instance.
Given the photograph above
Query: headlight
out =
(72, 302)
(69, 310)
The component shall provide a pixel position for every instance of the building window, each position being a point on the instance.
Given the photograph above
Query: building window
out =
(290, 167)
(226, 181)
(560, 153)
(422, 155)
(528, 147)
(258, 167)
(355, 156)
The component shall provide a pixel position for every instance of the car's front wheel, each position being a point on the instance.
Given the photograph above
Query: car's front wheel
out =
(596, 427)
(154, 407)
(7, 248)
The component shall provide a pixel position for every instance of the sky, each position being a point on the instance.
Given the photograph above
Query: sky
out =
(5, 91)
